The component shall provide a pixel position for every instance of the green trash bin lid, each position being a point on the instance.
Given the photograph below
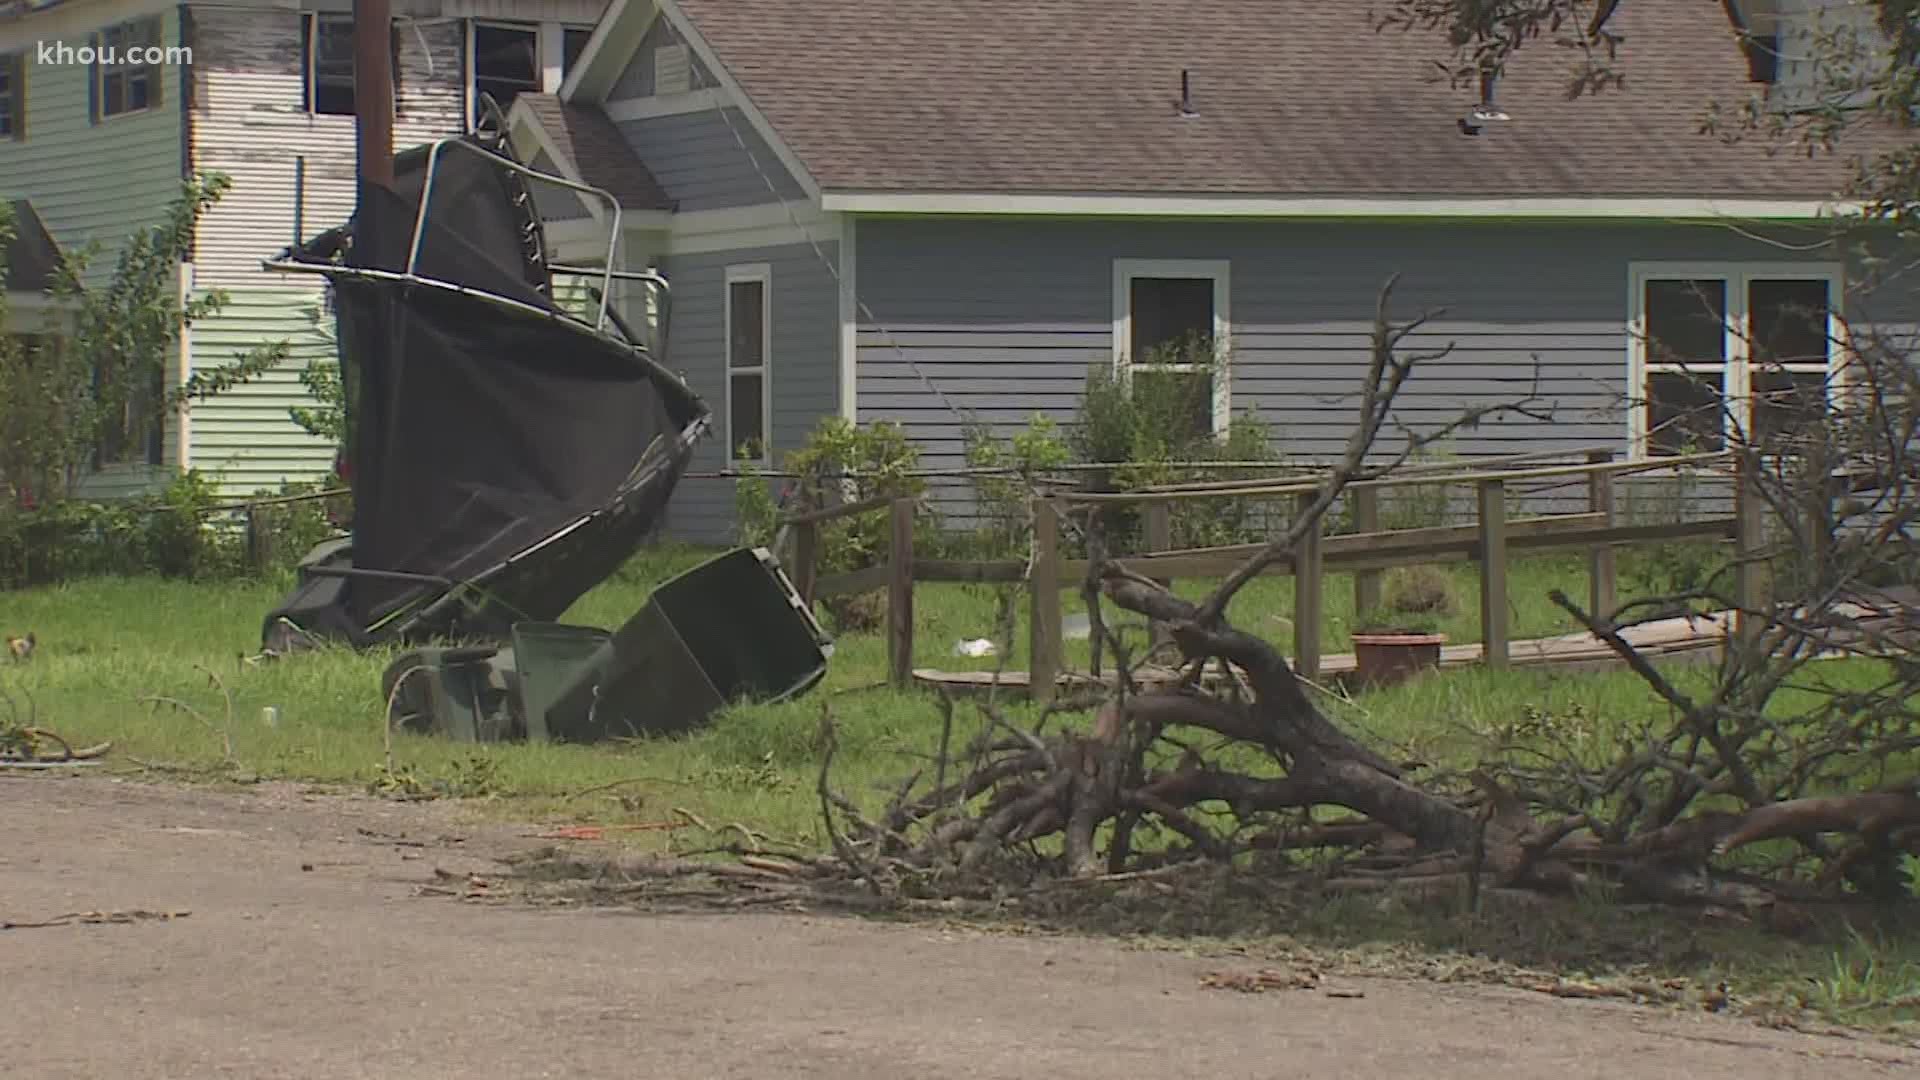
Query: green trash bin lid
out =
(549, 657)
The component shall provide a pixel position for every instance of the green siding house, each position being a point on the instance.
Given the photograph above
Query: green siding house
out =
(261, 91)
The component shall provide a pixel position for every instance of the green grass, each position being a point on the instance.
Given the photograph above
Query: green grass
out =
(104, 645)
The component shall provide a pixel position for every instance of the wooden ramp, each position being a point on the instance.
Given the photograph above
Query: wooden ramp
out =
(1696, 638)
(1693, 639)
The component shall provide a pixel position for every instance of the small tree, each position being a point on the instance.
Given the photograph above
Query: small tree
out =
(95, 378)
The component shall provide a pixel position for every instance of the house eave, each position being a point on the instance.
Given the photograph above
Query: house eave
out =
(1673, 208)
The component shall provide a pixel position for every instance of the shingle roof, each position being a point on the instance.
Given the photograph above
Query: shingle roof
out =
(1296, 99)
(590, 140)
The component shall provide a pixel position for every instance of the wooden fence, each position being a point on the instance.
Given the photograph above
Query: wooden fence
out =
(1491, 540)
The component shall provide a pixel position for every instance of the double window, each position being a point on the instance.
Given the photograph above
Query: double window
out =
(1730, 353)
(749, 322)
(1170, 325)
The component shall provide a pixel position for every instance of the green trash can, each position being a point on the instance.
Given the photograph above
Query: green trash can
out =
(548, 657)
(731, 629)
(463, 694)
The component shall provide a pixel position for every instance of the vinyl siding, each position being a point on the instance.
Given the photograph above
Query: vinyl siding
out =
(245, 438)
(711, 159)
(803, 361)
(248, 123)
(94, 184)
(1001, 319)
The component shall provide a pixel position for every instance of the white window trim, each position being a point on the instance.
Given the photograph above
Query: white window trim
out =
(1219, 271)
(1735, 383)
(738, 274)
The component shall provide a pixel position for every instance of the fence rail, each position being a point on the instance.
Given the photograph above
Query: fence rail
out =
(1491, 541)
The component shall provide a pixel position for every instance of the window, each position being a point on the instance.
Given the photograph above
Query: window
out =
(1730, 351)
(326, 50)
(1169, 331)
(506, 61)
(128, 84)
(573, 44)
(137, 435)
(749, 330)
(13, 96)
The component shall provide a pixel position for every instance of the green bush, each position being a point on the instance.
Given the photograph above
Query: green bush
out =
(1145, 433)
(177, 533)
(838, 463)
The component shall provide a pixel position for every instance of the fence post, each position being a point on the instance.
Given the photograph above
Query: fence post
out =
(1307, 597)
(1159, 538)
(1043, 612)
(1366, 519)
(259, 544)
(1602, 576)
(1494, 631)
(900, 594)
(806, 559)
(1751, 572)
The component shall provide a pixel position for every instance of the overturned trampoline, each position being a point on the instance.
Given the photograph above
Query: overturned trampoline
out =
(506, 455)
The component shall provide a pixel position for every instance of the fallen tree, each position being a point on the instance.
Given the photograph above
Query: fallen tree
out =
(1660, 818)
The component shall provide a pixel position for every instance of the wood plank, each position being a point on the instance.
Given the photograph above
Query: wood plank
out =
(1043, 629)
(900, 594)
(1494, 623)
(1602, 574)
(1307, 598)
(1366, 519)
(833, 513)
(1271, 490)
(806, 559)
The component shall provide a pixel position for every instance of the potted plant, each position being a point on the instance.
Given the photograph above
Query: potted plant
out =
(1392, 646)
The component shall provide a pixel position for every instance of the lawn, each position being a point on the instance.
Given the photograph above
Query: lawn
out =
(108, 648)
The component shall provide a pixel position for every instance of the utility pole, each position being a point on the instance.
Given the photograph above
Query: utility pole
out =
(373, 90)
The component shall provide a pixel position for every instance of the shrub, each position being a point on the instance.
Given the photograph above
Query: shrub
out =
(176, 534)
(1416, 590)
(839, 461)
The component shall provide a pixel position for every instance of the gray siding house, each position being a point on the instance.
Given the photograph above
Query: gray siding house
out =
(918, 212)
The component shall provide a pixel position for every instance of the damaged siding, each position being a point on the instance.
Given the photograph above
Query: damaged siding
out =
(249, 124)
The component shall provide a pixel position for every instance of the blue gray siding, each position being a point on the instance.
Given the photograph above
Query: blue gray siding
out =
(711, 159)
(1004, 318)
(804, 357)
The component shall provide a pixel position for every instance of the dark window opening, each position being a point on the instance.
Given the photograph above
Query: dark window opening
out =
(129, 83)
(746, 370)
(1763, 57)
(326, 48)
(573, 45)
(1789, 321)
(13, 96)
(506, 62)
(137, 435)
(1169, 315)
(1684, 412)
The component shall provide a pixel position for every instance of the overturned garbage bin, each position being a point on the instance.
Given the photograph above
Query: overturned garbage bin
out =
(731, 629)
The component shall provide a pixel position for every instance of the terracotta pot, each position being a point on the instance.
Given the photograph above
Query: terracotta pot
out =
(1385, 659)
